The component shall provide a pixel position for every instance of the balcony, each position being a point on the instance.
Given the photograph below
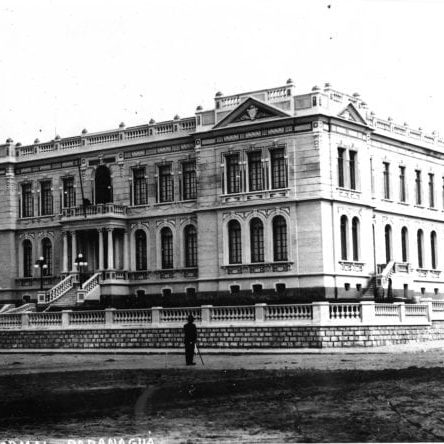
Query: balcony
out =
(172, 273)
(48, 281)
(95, 211)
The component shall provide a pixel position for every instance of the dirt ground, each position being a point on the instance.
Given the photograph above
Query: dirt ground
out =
(352, 397)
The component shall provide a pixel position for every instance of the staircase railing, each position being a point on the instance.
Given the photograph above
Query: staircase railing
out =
(59, 289)
(383, 277)
(90, 288)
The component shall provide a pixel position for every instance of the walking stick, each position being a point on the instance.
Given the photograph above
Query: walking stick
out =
(198, 352)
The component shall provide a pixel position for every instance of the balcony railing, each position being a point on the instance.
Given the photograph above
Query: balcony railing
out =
(95, 210)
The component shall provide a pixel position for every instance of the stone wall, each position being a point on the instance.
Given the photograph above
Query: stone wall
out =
(222, 338)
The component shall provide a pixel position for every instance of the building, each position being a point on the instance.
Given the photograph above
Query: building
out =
(271, 192)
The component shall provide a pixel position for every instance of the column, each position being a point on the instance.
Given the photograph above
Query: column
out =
(73, 251)
(125, 251)
(101, 250)
(110, 249)
(65, 252)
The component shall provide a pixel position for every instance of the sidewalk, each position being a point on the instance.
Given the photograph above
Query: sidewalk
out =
(426, 354)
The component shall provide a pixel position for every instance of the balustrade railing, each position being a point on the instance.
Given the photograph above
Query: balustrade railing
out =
(288, 312)
(315, 314)
(94, 210)
(59, 289)
(345, 311)
(235, 313)
(386, 310)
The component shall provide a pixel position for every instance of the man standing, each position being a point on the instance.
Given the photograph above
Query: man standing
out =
(190, 339)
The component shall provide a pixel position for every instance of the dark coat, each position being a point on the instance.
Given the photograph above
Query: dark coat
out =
(190, 332)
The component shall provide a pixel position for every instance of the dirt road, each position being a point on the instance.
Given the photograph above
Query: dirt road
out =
(366, 397)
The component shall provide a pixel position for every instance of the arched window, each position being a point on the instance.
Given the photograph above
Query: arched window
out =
(27, 258)
(355, 238)
(420, 241)
(234, 242)
(280, 249)
(433, 249)
(257, 240)
(141, 258)
(47, 256)
(166, 237)
(344, 237)
(190, 246)
(404, 244)
(388, 243)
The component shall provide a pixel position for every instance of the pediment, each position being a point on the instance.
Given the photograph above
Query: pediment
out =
(352, 114)
(249, 111)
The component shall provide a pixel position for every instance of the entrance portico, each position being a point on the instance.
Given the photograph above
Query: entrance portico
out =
(103, 248)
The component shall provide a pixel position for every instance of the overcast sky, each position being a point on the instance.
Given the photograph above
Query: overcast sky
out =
(67, 65)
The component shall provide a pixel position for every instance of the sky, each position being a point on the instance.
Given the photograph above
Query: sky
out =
(66, 65)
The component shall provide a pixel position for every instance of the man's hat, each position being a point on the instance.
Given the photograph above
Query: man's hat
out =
(190, 318)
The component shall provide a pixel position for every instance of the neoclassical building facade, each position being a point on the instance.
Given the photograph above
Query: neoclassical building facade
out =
(270, 192)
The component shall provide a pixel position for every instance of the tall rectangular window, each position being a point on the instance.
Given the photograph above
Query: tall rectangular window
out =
(69, 193)
(431, 190)
(372, 178)
(255, 174)
(418, 187)
(341, 179)
(140, 186)
(46, 198)
(165, 184)
(233, 173)
(27, 200)
(386, 180)
(352, 169)
(402, 193)
(278, 169)
(443, 193)
(189, 180)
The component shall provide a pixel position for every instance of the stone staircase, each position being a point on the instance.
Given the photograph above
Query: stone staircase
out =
(67, 300)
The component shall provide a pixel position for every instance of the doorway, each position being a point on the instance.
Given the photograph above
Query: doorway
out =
(104, 190)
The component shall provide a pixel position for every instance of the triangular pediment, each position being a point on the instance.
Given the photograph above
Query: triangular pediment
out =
(250, 111)
(352, 114)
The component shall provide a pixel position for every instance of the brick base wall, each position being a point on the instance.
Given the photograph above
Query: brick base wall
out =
(220, 338)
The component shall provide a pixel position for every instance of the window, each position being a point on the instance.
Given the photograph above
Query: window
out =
(233, 173)
(443, 193)
(431, 190)
(280, 288)
(386, 180)
(344, 237)
(388, 243)
(46, 198)
(278, 169)
(257, 240)
(402, 193)
(189, 180)
(190, 292)
(420, 242)
(141, 250)
(352, 169)
(27, 200)
(257, 289)
(418, 187)
(27, 258)
(355, 238)
(433, 249)
(69, 193)
(47, 256)
(190, 246)
(280, 239)
(140, 187)
(341, 179)
(255, 175)
(234, 289)
(166, 237)
(165, 184)
(372, 177)
(404, 244)
(234, 242)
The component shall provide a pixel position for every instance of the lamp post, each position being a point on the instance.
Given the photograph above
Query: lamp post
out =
(41, 263)
(80, 262)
